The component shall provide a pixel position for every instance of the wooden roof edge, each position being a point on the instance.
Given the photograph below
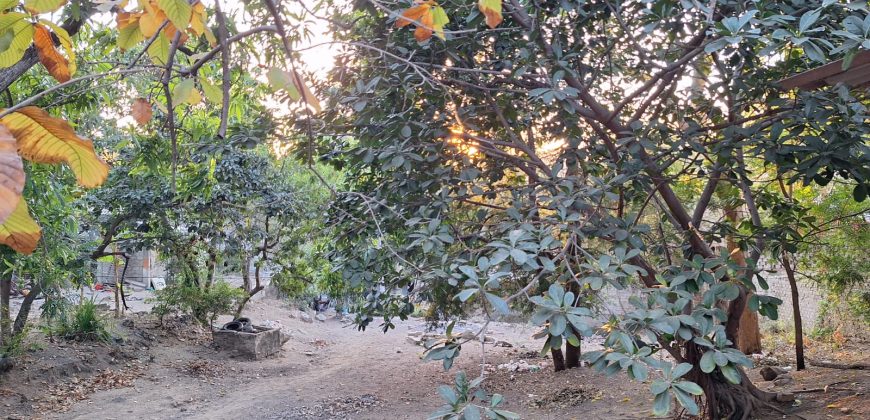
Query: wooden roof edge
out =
(814, 78)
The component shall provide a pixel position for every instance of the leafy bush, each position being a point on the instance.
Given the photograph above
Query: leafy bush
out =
(203, 304)
(84, 323)
(466, 400)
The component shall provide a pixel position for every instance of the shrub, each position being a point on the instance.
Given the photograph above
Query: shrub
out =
(84, 323)
(203, 304)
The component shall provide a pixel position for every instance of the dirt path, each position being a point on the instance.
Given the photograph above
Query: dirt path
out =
(330, 370)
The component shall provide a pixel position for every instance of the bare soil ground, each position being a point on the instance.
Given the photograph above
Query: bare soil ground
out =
(329, 370)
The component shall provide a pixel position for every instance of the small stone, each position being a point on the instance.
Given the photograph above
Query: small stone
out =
(305, 317)
(398, 350)
(321, 317)
(770, 373)
(845, 410)
(502, 343)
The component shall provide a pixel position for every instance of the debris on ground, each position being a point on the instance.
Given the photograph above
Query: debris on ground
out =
(568, 397)
(336, 408)
(520, 366)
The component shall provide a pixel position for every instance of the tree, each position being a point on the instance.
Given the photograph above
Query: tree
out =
(574, 145)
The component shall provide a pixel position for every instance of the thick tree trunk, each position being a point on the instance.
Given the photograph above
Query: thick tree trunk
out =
(572, 356)
(796, 307)
(558, 360)
(748, 332)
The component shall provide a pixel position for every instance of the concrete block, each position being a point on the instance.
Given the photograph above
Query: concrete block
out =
(256, 345)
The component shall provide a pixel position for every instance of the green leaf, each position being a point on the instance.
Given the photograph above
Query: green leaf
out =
(41, 6)
(498, 303)
(466, 294)
(680, 370)
(556, 293)
(690, 387)
(640, 371)
(658, 387)
(686, 401)
(557, 324)
(707, 364)
(7, 4)
(730, 373)
(662, 404)
(447, 393)
(471, 412)
(159, 50)
(178, 12)
(16, 35)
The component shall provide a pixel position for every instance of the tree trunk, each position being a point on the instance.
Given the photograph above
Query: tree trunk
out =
(795, 303)
(24, 311)
(572, 355)
(117, 283)
(5, 291)
(558, 359)
(748, 332)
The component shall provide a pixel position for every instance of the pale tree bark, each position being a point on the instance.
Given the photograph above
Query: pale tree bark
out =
(748, 332)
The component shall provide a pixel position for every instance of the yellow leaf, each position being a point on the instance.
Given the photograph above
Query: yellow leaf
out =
(129, 32)
(198, 19)
(44, 139)
(43, 6)
(307, 96)
(141, 111)
(48, 55)
(65, 42)
(213, 93)
(209, 36)
(19, 231)
(283, 80)
(492, 10)
(16, 35)
(185, 92)
(178, 11)
(11, 174)
(150, 23)
(159, 50)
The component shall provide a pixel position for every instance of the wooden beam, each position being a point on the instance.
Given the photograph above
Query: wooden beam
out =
(857, 75)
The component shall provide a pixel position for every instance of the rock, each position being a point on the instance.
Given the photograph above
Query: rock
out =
(305, 317)
(127, 323)
(502, 343)
(321, 317)
(293, 314)
(783, 380)
(398, 350)
(770, 373)
(845, 410)
(785, 397)
(417, 341)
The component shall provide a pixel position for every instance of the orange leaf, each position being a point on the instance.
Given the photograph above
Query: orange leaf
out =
(20, 231)
(424, 29)
(55, 63)
(44, 139)
(125, 19)
(141, 111)
(150, 22)
(412, 15)
(11, 174)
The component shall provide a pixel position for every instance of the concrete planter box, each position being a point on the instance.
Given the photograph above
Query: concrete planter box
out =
(256, 345)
